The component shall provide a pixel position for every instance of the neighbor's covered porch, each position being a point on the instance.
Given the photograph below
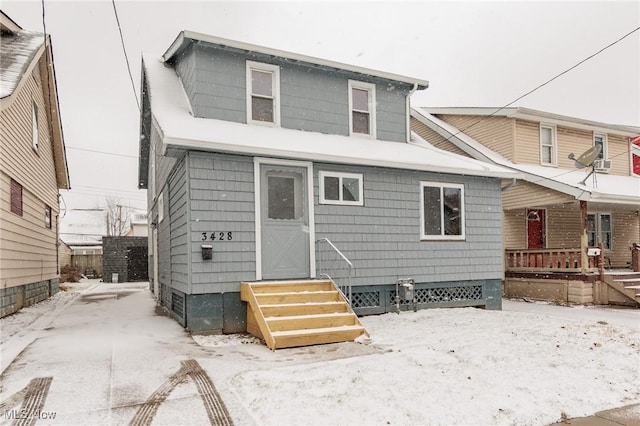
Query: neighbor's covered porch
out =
(566, 252)
(573, 237)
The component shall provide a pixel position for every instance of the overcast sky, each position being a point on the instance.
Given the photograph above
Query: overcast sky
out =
(473, 53)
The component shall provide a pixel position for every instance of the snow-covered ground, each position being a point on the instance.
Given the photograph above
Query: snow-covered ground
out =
(529, 364)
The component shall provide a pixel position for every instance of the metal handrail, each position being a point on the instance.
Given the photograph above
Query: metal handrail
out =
(346, 288)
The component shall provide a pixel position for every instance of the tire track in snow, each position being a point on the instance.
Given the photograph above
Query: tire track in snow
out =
(32, 398)
(216, 410)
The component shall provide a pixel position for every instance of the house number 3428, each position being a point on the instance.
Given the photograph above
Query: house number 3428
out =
(217, 236)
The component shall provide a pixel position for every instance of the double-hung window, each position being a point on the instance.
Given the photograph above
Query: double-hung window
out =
(441, 211)
(548, 145)
(599, 230)
(341, 188)
(601, 141)
(263, 94)
(362, 108)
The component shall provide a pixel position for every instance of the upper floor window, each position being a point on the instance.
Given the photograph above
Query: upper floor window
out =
(263, 93)
(16, 198)
(34, 125)
(548, 145)
(341, 188)
(442, 211)
(362, 107)
(601, 141)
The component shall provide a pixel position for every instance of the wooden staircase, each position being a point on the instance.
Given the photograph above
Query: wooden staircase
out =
(627, 284)
(299, 313)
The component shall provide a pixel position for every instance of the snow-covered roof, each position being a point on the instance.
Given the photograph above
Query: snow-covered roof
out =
(82, 227)
(603, 188)
(180, 129)
(535, 115)
(17, 51)
(20, 53)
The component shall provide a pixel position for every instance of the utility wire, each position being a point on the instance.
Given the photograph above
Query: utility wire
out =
(103, 152)
(547, 82)
(124, 50)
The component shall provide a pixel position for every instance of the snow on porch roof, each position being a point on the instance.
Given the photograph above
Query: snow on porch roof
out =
(616, 189)
(179, 129)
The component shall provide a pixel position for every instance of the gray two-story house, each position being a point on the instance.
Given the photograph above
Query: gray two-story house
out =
(263, 165)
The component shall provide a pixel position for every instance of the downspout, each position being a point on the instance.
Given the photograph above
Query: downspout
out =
(509, 185)
(411, 92)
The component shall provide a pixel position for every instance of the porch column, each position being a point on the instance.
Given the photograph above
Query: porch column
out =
(584, 241)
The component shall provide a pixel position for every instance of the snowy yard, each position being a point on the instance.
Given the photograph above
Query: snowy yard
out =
(456, 366)
(529, 364)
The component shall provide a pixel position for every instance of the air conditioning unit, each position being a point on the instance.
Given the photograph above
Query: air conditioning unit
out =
(602, 165)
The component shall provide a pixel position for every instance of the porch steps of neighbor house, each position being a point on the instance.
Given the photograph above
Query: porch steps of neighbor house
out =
(628, 284)
(299, 313)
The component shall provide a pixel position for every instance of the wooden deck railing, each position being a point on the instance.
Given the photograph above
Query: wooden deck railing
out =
(548, 260)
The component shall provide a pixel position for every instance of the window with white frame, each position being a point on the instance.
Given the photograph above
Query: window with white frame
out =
(47, 217)
(263, 94)
(600, 230)
(160, 207)
(601, 141)
(34, 126)
(442, 211)
(548, 145)
(341, 188)
(362, 107)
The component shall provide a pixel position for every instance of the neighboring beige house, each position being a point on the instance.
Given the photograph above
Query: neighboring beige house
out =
(557, 217)
(138, 225)
(33, 168)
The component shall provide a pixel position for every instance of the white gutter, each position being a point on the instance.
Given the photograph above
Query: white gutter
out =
(293, 57)
(206, 145)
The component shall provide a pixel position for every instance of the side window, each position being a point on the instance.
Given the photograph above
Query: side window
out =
(362, 109)
(442, 211)
(16, 198)
(548, 145)
(341, 188)
(601, 141)
(263, 94)
(160, 207)
(34, 126)
(47, 217)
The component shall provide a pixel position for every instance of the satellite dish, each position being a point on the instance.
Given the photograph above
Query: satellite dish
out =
(587, 158)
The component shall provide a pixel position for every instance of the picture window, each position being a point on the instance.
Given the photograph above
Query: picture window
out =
(442, 211)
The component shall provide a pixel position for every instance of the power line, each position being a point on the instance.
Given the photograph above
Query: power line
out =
(124, 50)
(103, 152)
(547, 82)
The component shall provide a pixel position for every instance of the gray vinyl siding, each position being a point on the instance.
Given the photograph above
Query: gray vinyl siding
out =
(221, 200)
(311, 99)
(176, 218)
(382, 238)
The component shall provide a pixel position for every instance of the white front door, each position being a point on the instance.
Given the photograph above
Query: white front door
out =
(284, 215)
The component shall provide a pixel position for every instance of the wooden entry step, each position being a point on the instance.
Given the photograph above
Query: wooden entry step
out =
(299, 313)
